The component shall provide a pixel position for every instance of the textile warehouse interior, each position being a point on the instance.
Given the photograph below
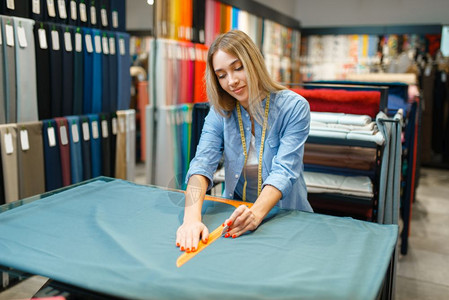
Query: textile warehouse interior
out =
(103, 109)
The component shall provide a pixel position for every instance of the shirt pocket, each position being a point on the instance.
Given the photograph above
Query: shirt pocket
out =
(270, 150)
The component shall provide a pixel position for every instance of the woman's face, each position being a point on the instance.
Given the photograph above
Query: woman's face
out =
(231, 76)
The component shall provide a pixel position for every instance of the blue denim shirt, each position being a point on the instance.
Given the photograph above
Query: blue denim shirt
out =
(287, 131)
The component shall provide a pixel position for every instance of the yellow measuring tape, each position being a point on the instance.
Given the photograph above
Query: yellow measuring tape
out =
(262, 142)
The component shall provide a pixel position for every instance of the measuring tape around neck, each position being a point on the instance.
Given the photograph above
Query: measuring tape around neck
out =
(262, 142)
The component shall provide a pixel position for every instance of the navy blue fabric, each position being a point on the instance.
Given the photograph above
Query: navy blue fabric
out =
(113, 76)
(56, 72)
(41, 15)
(21, 9)
(106, 6)
(120, 7)
(124, 77)
(106, 87)
(90, 18)
(42, 74)
(48, 18)
(67, 79)
(199, 113)
(95, 144)
(339, 171)
(97, 83)
(75, 149)
(105, 145)
(88, 73)
(53, 173)
(78, 77)
(86, 149)
(81, 22)
(72, 21)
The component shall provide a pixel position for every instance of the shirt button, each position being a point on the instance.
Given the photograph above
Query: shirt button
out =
(230, 194)
(247, 128)
(247, 115)
(236, 175)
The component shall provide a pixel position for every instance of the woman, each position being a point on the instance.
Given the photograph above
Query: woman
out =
(248, 111)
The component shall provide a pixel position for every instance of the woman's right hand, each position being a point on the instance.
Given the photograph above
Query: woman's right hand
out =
(189, 234)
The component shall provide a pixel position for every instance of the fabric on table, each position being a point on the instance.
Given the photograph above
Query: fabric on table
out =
(76, 157)
(340, 156)
(78, 74)
(9, 163)
(95, 143)
(127, 253)
(9, 64)
(85, 138)
(26, 73)
(68, 69)
(64, 149)
(43, 71)
(52, 157)
(31, 161)
(97, 83)
(331, 183)
(354, 102)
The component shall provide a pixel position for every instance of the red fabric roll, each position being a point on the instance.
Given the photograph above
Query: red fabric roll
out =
(199, 89)
(342, 101)
(64, 149)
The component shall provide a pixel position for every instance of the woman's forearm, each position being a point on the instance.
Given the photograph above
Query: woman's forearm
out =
(195, 192)
(267, 199)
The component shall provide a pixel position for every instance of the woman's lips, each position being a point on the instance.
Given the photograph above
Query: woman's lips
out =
(238, 91)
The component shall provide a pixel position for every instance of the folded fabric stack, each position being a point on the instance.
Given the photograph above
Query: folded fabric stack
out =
(345, 126)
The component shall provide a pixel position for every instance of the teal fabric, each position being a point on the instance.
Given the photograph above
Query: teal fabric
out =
(119, 238)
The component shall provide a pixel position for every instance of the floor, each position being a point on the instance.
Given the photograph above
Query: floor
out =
(422, 274)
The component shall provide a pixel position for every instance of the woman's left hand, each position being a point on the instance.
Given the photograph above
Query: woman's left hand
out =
(242, 220)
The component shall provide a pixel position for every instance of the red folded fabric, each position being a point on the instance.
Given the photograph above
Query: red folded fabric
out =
(342, 101)
(199, 88)
(64, 150)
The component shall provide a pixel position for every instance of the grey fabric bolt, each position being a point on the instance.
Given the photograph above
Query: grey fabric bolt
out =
(9, 163)
(10, 74)
(130, 144)
(26, 73)
(2, 84)
(164, 156)
(31, 173)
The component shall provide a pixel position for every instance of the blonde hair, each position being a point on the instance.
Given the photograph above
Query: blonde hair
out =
(240, 45)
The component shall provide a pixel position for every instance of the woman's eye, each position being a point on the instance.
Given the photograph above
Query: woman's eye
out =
(239, 68)
(221, 76)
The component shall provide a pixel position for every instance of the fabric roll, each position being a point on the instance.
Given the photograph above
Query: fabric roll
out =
(85, 138)
(21, 8)
(8, 145)
(113, 74)
(120, 157)
(199, 89)
(118, 15)
(199, 113)
(9, 64)
(88, 55)
(105, 121)
(97, 75)
(73, 14)
(52, 157)
(64, 149)
(124, 76)
(37, 10)
(2, 185)
(67, 43)
(78, 72)
(63, 11)
(2, 83)
(104, 14)
(27, 110)
(42, 70)
(92, 13)
(30, 159)
(95, 145)
(130, 144)
(83, 8)
(51, 11)
(55, 46)
(105, 76)
(142, 102)
(149, 144)
(76, 157)
(113, 127)
(164, 155)
(428, 81)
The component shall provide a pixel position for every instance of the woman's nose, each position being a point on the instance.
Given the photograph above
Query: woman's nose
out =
(233, 80)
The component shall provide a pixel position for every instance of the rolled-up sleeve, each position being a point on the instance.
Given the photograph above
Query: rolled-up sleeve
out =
(287, 162)
(210, 148)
